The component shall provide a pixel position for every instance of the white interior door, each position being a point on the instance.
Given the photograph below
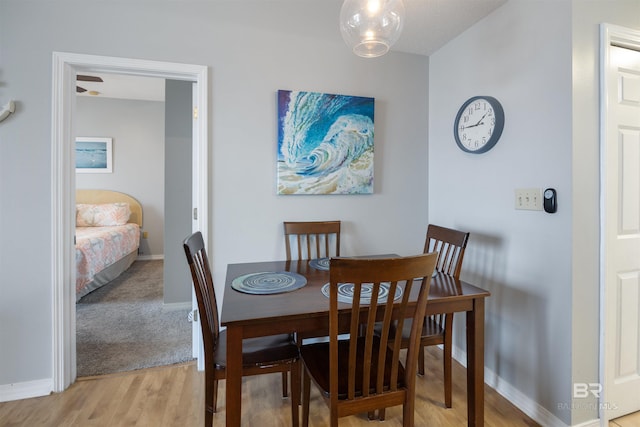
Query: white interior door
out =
(621, 225)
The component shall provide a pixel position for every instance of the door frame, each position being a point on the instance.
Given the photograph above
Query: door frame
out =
(624, 37)
(64, 70)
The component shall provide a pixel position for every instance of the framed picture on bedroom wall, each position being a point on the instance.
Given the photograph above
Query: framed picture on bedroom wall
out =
(94, 155)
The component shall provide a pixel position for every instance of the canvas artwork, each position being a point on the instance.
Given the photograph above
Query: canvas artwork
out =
(325, 143)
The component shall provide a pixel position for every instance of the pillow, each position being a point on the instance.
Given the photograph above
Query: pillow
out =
(103, 215)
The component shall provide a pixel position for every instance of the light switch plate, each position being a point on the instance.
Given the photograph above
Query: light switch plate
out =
(528, 199)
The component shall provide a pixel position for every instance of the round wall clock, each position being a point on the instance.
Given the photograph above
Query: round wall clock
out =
(478, 124)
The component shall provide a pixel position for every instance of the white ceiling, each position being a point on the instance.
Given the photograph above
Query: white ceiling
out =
(124, 87)
(429, 25)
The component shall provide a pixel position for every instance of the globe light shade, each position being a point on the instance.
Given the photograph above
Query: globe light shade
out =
(371, 27)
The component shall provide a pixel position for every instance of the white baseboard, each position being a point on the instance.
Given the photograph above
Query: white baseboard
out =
(531, 408)
(591, 423)
(150, 257)
(26, 390)
(174, 306)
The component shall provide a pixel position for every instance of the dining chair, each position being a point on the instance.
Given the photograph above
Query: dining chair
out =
(308, 240)
(313, 239)
(362, 372)
(438, 329)
(264, 355)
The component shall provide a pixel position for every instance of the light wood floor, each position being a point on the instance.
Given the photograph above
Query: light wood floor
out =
(174, 396)
(631, 420)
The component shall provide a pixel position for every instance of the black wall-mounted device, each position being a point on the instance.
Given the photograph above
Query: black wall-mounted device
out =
(550, 200)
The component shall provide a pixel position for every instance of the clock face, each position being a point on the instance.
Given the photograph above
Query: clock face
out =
(479, 124)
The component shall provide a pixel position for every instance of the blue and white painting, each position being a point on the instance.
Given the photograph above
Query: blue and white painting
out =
(325, 143)
(93, 155)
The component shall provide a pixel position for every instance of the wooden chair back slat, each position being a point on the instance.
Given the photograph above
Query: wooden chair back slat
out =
(450, 245)
(312, 239)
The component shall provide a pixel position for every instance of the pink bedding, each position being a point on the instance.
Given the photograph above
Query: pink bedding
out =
(99, 247)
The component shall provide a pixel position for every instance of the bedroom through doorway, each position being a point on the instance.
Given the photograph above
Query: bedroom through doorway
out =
(65, 68)
(144, 119)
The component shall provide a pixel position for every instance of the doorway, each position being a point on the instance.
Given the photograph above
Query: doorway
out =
(149, 122)
(65, 68)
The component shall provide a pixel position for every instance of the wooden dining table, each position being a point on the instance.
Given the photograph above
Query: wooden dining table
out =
(307, 309)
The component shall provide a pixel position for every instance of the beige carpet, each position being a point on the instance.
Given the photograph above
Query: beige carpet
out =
(123, 326)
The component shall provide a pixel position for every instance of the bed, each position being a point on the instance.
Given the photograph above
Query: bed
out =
(108, 227)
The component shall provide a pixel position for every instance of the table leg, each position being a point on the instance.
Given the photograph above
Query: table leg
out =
(475, 364)
(234, 376)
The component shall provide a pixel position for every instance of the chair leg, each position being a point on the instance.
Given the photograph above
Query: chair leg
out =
(214, 398)
(421, 361)
(447, 373)
(210, 397)
(285, 391)
(306, 392)
(208, 417)
(381, 414)
(295, 393)
(407, 415)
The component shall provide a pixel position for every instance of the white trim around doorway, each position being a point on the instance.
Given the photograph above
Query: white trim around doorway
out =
(65, 68)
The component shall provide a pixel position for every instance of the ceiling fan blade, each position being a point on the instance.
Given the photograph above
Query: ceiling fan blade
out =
(84, 78)
(80, 89)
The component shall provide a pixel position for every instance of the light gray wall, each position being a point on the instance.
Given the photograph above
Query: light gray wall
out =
(522, 257)
(137, 129)
(178, 177)
(245, 73)
(540, 59)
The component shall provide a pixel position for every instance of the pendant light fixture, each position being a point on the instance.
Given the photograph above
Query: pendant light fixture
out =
(371, 27)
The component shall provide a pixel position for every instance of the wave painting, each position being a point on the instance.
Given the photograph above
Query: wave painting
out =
(325, 143)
